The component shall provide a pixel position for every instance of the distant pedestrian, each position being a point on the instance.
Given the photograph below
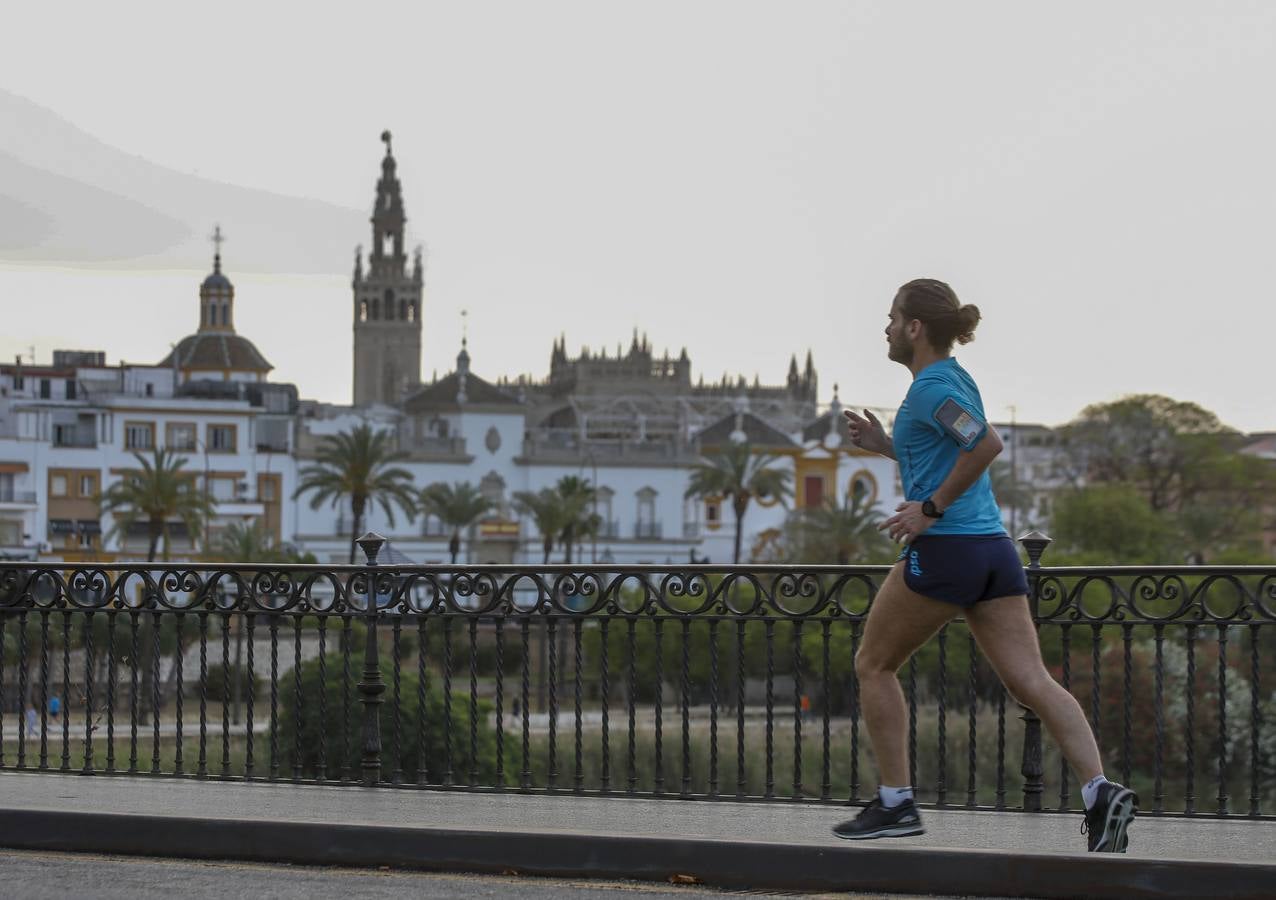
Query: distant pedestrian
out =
(32, 718)
(806, 707)
(55, 707)
(957, 558)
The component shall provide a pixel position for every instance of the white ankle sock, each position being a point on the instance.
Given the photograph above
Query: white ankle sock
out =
(894, 796)
(1090, 790)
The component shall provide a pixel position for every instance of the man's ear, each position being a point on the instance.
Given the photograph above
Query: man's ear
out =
(914, 328)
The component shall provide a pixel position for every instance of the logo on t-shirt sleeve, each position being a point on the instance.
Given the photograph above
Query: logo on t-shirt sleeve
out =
(961, 424)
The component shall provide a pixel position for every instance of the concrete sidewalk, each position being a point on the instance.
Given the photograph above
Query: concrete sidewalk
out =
(774, 845)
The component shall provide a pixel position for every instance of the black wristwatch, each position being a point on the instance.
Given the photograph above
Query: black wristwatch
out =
(928, 509)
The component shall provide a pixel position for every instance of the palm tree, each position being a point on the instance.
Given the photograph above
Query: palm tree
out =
(247, 542)
(457, 506)
(546, 510)
(736, 472)
(156, 494)
(358, 464)
(839, 534)
(579, 518)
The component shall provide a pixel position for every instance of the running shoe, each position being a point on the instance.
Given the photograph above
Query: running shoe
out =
(1107, 822)
(876, 821)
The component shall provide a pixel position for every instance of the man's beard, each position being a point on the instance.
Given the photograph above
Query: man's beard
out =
(900, 352)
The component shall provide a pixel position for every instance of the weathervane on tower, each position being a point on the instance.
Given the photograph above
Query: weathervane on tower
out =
(217, 240)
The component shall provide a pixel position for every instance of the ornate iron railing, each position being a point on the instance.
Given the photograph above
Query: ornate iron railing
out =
(584, 678)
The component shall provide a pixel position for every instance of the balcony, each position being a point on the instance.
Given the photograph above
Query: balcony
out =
(559, 447)
(647, 531)
(73, 439)
(435, 449)
(11, 498)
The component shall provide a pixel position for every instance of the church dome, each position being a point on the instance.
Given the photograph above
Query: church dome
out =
(218, 352)
(216, 281)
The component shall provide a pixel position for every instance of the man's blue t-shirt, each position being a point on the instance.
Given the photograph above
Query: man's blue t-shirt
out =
(941, 416)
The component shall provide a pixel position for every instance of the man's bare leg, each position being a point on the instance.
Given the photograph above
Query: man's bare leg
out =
(898, 623)
(1005, 633)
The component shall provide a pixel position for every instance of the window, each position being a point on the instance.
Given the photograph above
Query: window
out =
(88, 486)
(222, 488)
(70, 388)
(712, 511)
(266, 490)
(181, 436)
(10, 533)
(150, 390)
(18, 382)
(221, 439)
(57, 485)
(813, 486)
(363, 310)
(6, 487)
(46, 389)
(139, 435)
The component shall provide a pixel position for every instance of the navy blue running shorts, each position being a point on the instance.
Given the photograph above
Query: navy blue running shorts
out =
(964, 568)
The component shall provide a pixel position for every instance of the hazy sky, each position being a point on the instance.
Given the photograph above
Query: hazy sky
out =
(745, 179)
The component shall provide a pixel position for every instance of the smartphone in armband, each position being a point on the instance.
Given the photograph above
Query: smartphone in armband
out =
(962, 426)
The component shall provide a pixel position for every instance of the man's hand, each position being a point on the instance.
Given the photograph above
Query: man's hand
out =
(867, 433)
(908, 522)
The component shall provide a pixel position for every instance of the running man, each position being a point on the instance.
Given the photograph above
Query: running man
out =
(957, 559)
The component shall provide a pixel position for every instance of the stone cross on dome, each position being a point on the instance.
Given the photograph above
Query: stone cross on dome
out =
(217, 240)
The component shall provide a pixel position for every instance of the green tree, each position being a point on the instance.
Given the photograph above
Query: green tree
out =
(358, 464)
(836, 534)
(247, 542)
(1112, 524)
(577, 497)
(157, 493)
(737, 473)
(458, 506)
(547, 512)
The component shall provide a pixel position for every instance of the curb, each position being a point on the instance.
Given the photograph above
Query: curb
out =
(736, 864)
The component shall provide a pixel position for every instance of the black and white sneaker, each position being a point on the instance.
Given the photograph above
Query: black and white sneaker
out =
(876, 821)
(1108, 821)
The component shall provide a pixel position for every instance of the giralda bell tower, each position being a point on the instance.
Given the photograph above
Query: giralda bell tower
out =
(387, 301)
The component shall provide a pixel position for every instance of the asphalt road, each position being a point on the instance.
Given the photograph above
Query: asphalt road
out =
(45, 876)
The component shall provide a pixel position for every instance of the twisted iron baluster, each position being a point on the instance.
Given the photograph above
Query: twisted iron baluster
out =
(180, 662)
(23, 737)
(322, 774)
(202, 771)
(1001, 748)
(249, 734)
(713, 707)
(740, 782)
(826, 786)
(912, 720)
(525, 629)
(1222, 720)
(972, 695)
(1189, 724)
(226, 676)
(347, 638)
(21, 700)
(797, 710)
(1254, 712)
(134, 627)
(660, 692)
(632, 625)
(155, 692)
(111, 677)
(1127, 689)
(298, 717)
(66, 683)
(855, 714)
(1064, 774)
(770, 709)
(1158, 794)
(605, 690)
(396, 719)
(579, 777)
(274, 696)
(684, 699)
(500, 701)
(44, 689)
(1096, 646)
(447, 701)
(86, 638)
(941, 786)
(422, 709)
(474, 702)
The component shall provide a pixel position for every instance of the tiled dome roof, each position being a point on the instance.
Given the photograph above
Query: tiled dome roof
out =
(218, 350)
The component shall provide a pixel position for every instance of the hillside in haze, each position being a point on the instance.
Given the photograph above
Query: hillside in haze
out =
(68, 198)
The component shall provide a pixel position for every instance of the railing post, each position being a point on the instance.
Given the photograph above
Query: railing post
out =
(1032, 768)
(371, 686)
